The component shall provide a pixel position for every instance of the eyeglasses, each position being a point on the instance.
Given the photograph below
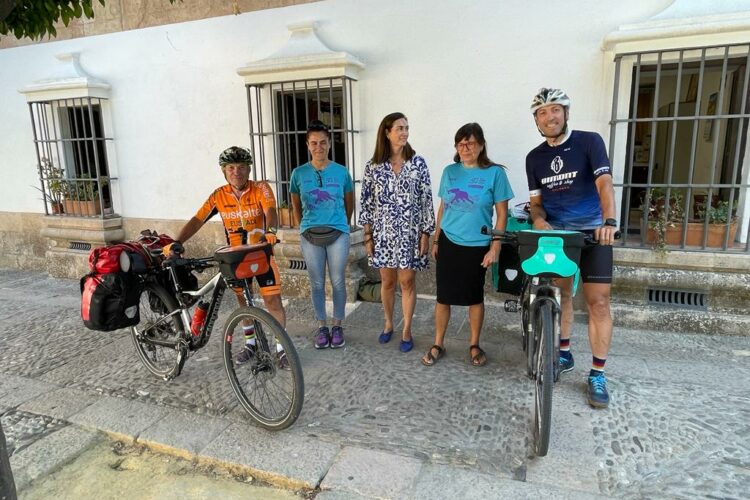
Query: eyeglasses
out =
(320, 178)
(466, 145)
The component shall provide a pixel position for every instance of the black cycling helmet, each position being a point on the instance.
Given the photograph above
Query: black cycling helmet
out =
(235, 154)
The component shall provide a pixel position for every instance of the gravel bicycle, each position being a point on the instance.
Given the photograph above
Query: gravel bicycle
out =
(544, 256)
(267, 378)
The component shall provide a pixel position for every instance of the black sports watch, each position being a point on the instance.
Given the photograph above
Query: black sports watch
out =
(611, 222)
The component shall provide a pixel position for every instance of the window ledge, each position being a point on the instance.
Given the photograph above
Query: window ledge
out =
(71, 81)
(682, 19)
(304, 56)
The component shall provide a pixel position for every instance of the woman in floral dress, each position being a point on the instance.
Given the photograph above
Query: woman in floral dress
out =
(398, 218)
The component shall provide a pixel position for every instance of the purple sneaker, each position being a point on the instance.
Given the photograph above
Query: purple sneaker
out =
(337, 337)
(322, 338)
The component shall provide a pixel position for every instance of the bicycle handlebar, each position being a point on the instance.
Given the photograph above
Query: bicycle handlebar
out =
(510, 236)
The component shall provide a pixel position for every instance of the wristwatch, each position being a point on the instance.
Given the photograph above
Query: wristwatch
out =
(271, 230)
(611, 222)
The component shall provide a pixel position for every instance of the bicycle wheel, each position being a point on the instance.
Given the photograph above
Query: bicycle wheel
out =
(266, 379)
(158, 337)
(543, 329)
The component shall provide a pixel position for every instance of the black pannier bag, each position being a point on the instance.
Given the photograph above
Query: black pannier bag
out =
(109, 301)
(510, 275)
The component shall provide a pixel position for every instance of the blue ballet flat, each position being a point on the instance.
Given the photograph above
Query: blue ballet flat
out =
(385, 337)
(406, 345)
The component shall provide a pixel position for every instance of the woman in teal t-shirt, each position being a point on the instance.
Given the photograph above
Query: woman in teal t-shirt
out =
(322, 192)
(469, 191)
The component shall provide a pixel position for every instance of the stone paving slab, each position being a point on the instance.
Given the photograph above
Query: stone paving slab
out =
(16, 390)
(60, 403)
(184, 433)
(440, 482)
(121, 417)
(290, 458)
(341, 495)
(372, 473)
(50, 454)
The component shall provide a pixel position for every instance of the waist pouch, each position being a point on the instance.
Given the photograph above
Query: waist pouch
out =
(321, 236)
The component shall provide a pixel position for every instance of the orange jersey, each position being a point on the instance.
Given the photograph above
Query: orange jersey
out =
(244, 220)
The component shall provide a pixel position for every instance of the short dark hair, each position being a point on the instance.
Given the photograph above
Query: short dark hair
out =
(317, 126)
(465, 132)
(383, 145)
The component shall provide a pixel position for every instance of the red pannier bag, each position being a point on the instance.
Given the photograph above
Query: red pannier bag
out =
(109, 301)
(109, 259)
(244, 261)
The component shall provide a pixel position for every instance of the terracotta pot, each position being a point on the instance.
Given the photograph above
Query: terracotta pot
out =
(57, 207)
(716, 233)
(285, 217)
(82, 208)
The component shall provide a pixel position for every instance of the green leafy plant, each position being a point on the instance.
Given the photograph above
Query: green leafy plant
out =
(54, 181)
(719, 214)
(81, 189)
(661, 215)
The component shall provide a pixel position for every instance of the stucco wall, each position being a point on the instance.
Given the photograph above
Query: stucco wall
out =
(177, 100)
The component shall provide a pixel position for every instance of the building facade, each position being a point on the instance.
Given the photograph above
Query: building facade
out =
(116, 126)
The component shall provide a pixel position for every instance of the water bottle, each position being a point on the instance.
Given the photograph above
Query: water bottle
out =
(199, 317)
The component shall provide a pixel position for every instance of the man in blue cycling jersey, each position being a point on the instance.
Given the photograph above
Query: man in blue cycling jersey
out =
(570, 187)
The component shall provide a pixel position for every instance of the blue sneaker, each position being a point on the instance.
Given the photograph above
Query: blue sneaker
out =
(337, 337)
(322, 338)
(598, 395)
(566, 364)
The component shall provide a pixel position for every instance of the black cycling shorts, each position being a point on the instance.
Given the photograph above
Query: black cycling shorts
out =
(596, 264)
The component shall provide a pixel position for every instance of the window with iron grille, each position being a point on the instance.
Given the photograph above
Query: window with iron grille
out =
(685, 182)
(279, 115)
(71, 150)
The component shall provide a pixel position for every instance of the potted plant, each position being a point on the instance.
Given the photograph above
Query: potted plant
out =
(719, 216)
(285, 215)
(666, 222)
(81, 197)
(662, 223)
(54, 187)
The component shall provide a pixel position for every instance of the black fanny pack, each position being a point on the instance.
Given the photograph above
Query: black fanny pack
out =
(321, 236)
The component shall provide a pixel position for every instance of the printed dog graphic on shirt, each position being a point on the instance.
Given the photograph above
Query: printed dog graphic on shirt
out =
(459, 195)
(321, 196)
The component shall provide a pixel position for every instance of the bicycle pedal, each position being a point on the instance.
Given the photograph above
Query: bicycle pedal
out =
(511, 306)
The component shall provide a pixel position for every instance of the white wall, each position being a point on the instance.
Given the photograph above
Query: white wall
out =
(177, 100)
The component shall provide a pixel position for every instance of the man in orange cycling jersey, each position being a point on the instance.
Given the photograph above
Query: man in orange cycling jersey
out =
(248, 211)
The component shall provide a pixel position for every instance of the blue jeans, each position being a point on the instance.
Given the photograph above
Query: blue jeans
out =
(336, 255)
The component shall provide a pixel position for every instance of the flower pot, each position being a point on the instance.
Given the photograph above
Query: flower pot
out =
(82, 208)
(694, 238)
(285, 217)
(57, 207)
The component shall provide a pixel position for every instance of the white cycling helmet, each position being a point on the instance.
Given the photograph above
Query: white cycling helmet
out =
(547, 97)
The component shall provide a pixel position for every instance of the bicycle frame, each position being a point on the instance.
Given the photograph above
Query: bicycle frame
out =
(540, 290)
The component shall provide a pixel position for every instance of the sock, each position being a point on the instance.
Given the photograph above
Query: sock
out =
(565, 348)
(249, 334)
(597, 366)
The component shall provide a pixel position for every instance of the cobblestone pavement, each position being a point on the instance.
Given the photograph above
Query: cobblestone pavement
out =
(678, 425)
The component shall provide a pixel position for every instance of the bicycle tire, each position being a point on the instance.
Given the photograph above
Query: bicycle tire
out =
(529, 342)
(544, 378)
(158, 338)
(271, 393)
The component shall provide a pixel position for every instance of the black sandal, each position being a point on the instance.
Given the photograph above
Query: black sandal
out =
(428, 359)
(479, 359)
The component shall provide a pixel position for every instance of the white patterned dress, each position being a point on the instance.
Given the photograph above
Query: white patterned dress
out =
(398, 209)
